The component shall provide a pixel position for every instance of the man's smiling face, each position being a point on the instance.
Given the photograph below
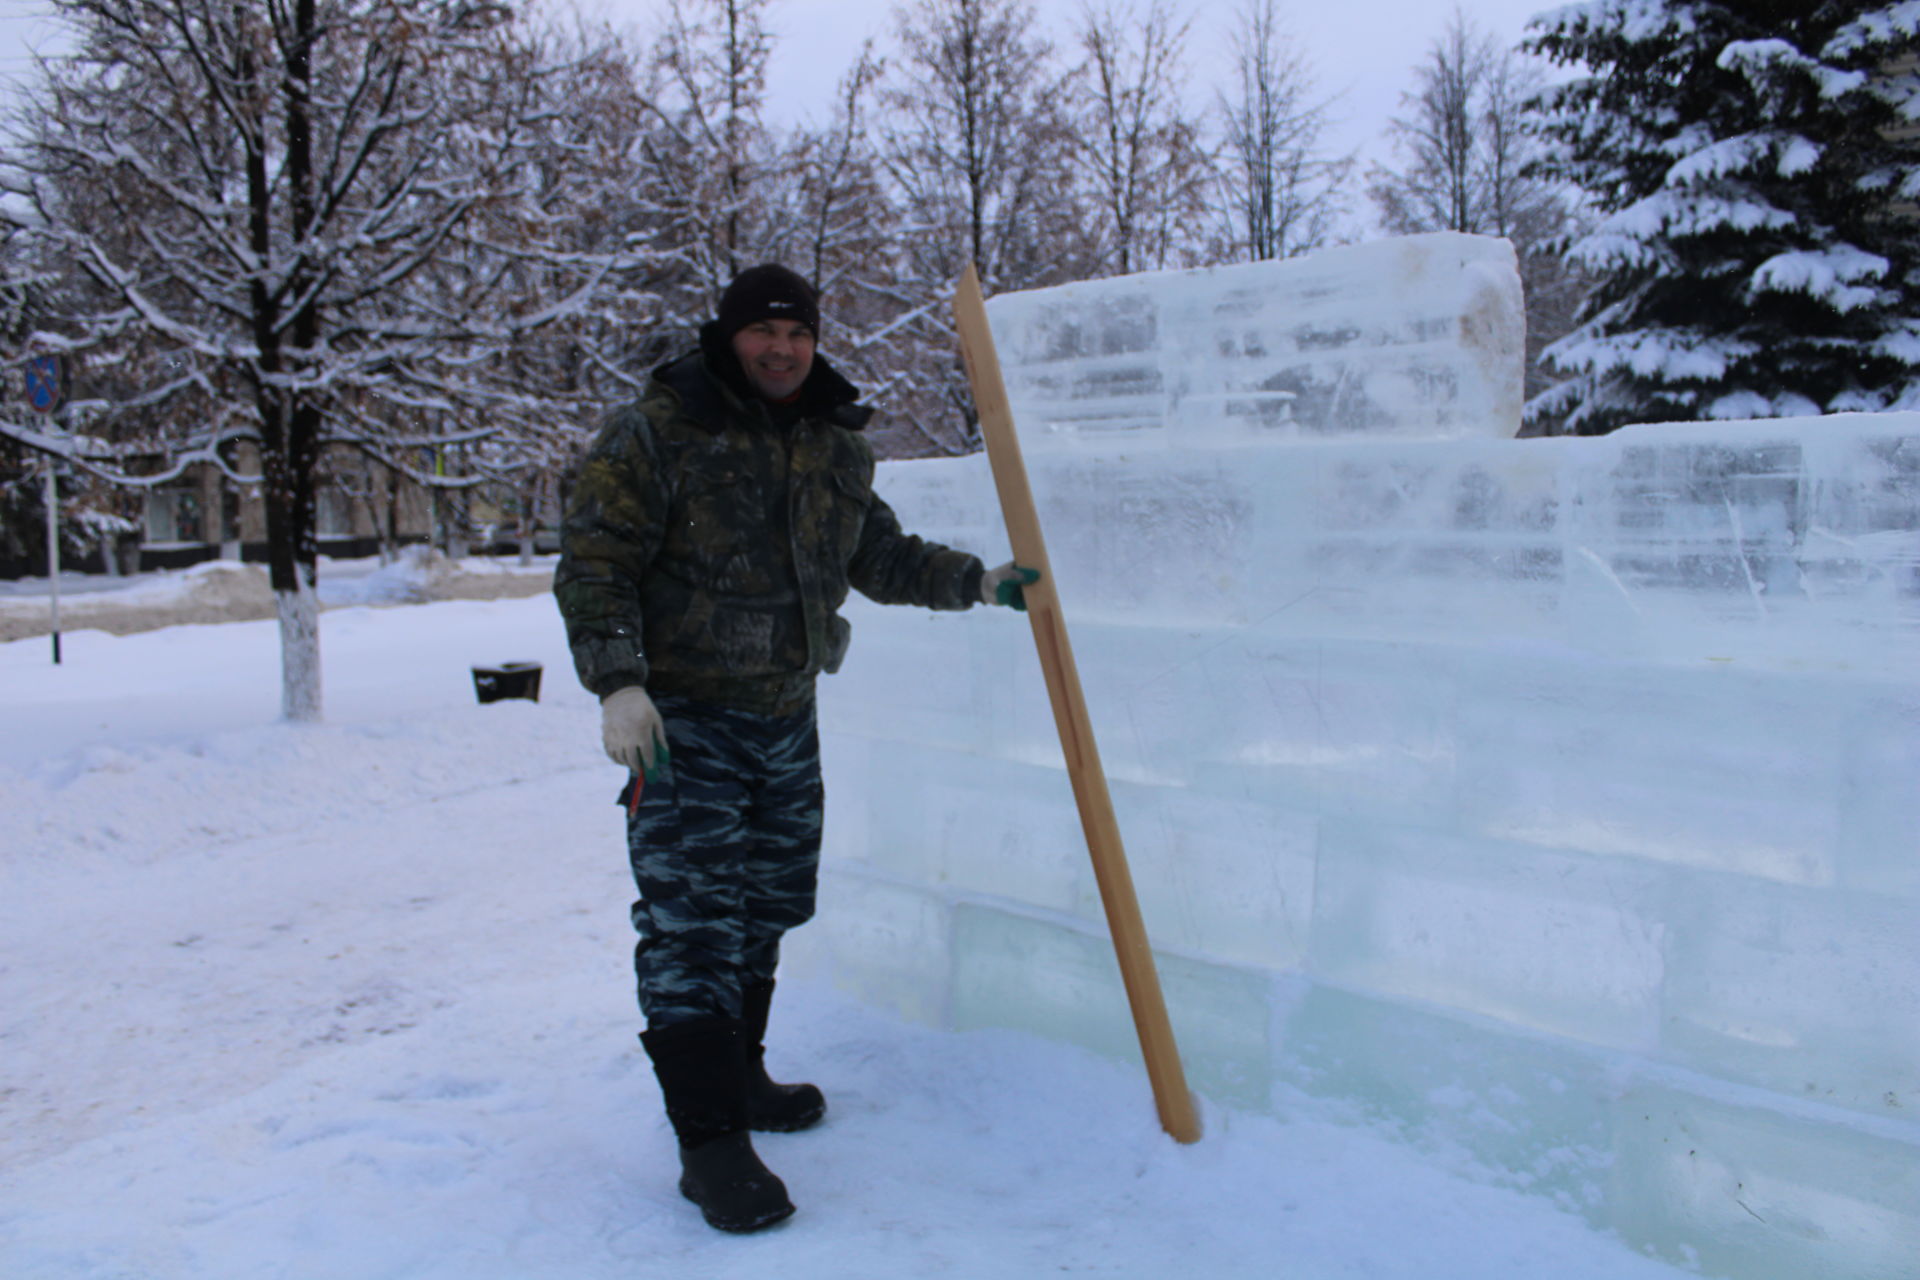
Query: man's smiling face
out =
(776, 355)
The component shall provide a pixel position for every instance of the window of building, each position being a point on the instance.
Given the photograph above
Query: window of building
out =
(173, 515)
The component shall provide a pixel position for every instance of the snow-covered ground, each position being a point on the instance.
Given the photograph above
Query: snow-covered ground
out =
(352, 1001)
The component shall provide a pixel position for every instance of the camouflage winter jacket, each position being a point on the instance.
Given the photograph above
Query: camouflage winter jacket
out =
(707, 550)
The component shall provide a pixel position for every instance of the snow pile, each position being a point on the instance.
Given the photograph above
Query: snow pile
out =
(232, 591)
(216, 591)
(354, 1000)
(420, 574)
(406, 579)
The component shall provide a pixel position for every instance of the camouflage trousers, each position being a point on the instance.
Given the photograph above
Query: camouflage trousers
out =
(725, 849)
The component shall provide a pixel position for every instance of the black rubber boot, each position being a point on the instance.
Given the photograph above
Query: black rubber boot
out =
(701, 1067)
(772, 1108)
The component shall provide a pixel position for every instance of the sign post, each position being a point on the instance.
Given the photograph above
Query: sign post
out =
(43, 393)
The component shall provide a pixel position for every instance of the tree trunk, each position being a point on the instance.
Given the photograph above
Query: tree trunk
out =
(295, 596)
(293, 554)
(299, 613)
(390, 518)
(527, 522)
(293, 573)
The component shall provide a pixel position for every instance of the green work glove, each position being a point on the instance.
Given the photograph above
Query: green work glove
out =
(633, 733)
(1007, 585)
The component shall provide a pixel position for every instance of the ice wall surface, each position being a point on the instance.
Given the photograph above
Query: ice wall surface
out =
(1554, 799)
(1420, 336)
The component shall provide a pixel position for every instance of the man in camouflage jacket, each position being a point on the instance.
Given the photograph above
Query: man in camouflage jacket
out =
(715, 530)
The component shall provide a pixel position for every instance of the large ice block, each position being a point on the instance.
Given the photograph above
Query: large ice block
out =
(1418, 336)
(915, 678)
(1811, 995)
(1332, 728)
(1713, 766)
(1554, 942)
(882, 942)
(1779, 542)
(1024, 971)
(1738, 1188)
(1219, 877)
(1532, 1109)
(1880, 803)
(971, 824)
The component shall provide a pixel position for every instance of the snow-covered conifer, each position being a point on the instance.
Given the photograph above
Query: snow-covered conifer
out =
(1756, 253)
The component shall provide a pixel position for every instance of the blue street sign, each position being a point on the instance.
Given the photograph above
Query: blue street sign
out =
(43, 383)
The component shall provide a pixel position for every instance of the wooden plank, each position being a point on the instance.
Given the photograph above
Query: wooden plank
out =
(1130, 945)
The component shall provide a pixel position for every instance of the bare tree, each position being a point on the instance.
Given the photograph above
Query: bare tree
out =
(843, 205)
(298, 222)
(1138, 151)
(975, 143)
(1445, 185)
(1540, 215)
(1467, 153)
(851, 249)
(1281, 194)
(714, 185)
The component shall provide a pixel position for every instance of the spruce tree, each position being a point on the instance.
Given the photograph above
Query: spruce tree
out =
(1758, 252)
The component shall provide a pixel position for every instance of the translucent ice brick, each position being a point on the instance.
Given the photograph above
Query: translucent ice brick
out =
(1029, 973)
(1738, 1190)
(1805, 992)
(886, 944)
(1216, 877)
(1418, 336)
(1554, 942)
(1706, 767)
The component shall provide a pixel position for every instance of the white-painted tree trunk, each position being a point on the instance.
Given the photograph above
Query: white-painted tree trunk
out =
(299, 613)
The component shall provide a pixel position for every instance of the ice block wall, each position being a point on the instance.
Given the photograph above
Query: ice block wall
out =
(1551, 800)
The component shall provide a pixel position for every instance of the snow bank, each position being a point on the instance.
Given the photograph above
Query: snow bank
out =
(216, 591)
(1553, 800)
(230, 591)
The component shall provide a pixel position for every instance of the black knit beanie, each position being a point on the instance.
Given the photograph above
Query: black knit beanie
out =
(768, 292)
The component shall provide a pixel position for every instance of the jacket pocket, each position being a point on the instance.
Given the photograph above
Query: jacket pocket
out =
(839, 640)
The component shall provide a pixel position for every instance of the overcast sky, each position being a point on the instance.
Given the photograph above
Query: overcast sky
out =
(1361, 50)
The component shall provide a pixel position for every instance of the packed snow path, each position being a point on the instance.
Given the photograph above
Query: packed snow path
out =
(351, 1001)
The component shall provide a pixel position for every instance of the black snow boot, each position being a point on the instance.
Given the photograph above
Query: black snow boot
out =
(772, 1108)
(701, 1067)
